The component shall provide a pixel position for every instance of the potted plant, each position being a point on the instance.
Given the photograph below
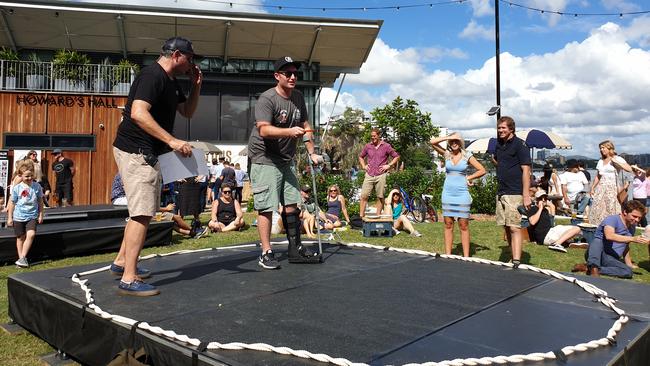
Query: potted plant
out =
(9, 60)
(70, 70)
(34, 70)
(123, 75)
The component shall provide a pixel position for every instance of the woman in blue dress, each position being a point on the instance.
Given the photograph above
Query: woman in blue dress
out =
(456, 201)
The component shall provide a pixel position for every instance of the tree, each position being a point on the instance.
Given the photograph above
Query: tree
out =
(406, 128)
(342, 143)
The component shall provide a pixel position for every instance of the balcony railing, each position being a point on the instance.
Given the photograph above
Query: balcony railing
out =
(50, 77)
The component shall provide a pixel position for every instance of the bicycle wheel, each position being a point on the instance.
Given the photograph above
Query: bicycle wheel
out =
(419, 209)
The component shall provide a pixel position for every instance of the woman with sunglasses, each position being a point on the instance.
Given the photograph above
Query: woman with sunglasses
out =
(335, 205)
(400, 221)
(456, 200)
(226, 212)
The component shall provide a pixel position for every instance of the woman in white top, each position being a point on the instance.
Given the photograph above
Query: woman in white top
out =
(604, 191)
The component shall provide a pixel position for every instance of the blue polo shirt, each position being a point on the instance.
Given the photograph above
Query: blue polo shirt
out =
(614, 248)
(510, 156)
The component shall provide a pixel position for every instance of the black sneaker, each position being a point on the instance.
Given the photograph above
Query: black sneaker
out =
(268, 261)
(305, 255)
(119, 271)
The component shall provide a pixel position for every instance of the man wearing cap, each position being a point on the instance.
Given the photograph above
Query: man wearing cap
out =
(573, 182)
(280, 120)
(541, 229)
(63, 168)
(146, 132)
(512, 158)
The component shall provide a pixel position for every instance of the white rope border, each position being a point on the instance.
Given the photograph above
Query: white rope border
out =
(537, 356)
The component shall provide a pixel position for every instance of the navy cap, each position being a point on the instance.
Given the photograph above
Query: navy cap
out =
(56, 151)
(179, 44)
(284, 61)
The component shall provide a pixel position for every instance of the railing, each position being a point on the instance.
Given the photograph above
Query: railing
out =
(48, 76)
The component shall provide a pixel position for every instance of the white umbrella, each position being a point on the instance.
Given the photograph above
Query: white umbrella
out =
(205, 146)
(481, 146)
(537, 135)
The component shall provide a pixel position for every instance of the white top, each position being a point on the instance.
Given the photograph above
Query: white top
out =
(607, 171)
(575, 183)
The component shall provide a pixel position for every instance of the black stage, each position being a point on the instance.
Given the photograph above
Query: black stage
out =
(79, 230)
(366, 305)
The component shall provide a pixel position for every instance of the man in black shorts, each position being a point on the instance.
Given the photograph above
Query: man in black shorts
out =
(64, 170)
(145, 132)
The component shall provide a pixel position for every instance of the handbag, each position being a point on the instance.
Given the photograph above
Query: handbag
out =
(130, 357)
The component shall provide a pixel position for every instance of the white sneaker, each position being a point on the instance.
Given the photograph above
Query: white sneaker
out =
(557, 248)
(416, 234)
(22, 263)
(396, 231)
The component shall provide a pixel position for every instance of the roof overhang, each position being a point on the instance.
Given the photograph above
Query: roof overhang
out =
(338, 45)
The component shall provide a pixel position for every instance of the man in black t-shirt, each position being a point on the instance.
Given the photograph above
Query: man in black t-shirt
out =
(541, 229)
(227, 175)
(512, 158)
(63, 168)
(146, 132)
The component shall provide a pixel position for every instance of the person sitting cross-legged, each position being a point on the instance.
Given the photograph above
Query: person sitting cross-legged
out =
(541, 227)
(226, 212)
(611, 243)
(180, 225)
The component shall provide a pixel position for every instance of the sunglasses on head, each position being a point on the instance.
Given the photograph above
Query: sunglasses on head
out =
(289, 74)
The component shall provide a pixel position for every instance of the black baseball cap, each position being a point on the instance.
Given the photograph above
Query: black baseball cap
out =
(179, 44)
(284, 61)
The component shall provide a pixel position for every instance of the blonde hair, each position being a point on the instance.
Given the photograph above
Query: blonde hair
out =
(335, 186)
(23, 166)
(609, 145)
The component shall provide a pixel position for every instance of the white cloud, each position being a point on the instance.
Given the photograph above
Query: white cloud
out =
(481, 8)
(639, 31)
(254, 6)
(620, 5)
(586, 91)
(474, 30)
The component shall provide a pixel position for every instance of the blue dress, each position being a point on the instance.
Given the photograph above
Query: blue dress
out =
(456, 201)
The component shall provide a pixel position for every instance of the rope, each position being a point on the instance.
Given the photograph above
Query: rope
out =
(561, 354)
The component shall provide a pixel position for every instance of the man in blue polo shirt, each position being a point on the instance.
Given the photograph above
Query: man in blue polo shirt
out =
(512, 157)
(611, 242)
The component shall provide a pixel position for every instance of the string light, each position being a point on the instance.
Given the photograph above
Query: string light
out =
(427, 4)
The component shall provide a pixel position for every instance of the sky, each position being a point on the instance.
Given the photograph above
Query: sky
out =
(585, 77)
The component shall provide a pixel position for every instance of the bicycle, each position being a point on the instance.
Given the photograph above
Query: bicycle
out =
(418, 208)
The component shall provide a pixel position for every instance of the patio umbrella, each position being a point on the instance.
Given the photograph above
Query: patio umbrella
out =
(534, 139)
(205, 146)
(483, 145)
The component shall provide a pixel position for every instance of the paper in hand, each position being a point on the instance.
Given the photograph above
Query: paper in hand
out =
(174, 166)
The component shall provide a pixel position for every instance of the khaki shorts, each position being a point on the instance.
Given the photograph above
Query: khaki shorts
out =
(555, 233)
(142, 183)
(378, 182)
(507, 214)
(273, 186)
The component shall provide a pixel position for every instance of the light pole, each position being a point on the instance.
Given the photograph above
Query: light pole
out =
(498, 63)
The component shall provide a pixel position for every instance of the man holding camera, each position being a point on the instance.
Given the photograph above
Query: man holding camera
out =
(145, 132)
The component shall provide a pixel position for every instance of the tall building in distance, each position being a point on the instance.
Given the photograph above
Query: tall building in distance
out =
(541, 154)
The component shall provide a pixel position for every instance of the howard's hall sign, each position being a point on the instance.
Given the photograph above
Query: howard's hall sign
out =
(66, 100)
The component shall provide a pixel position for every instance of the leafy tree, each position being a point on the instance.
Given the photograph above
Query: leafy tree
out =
(342, 143)
(405, 127)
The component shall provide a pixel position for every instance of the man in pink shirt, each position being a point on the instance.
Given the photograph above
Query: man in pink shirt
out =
(378, 153)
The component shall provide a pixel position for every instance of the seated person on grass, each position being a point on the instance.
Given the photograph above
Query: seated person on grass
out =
(611, 243)
(308, 212)
(335, 206)
(226, 212)
(541, 228)
(180, 226)
(400, 221)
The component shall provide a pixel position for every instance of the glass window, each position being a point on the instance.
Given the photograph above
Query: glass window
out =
(203, 125)
(235, 117)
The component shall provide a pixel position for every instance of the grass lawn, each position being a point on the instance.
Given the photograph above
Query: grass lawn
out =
(486, 243)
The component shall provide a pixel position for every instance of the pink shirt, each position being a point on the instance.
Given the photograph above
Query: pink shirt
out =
(640, 188)
(377, 156)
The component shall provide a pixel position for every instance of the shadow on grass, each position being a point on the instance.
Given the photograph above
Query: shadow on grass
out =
(645, 265)
(506, 255)
(473, 249)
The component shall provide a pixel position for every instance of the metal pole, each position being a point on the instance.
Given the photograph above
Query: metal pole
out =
(498, 63)
(314, 194)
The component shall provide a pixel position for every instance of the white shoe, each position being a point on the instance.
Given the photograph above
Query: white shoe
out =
(557, 248)
(416, 234)
(396, 231)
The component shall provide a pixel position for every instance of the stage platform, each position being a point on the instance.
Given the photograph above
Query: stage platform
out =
(76, 213)
(82, 237)
(366, 305)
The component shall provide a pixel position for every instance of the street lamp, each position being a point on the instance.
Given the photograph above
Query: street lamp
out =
(494, 110)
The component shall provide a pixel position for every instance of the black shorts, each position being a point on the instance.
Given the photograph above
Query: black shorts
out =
(64, 191)
(21, 227)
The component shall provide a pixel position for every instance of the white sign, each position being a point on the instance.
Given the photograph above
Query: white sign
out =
(175, 166)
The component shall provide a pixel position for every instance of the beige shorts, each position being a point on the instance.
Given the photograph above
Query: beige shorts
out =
(555, 233)
(377, 182)
(506, 213)
(142, 183)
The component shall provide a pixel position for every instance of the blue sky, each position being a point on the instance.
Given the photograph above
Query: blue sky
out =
(586, 78)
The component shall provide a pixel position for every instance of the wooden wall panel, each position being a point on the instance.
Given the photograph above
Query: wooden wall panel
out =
(70, 114)
(22, 112)
(103, 165)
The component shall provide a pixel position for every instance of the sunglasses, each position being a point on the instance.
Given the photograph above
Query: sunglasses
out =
(289, 74)
(226, 192)
(333, 190)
